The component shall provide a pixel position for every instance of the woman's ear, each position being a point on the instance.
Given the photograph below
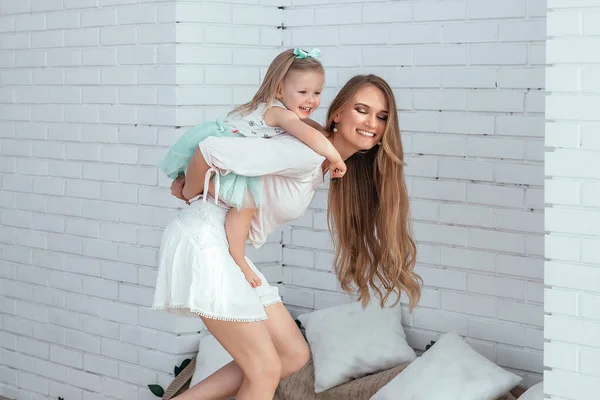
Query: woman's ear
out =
(336, 119)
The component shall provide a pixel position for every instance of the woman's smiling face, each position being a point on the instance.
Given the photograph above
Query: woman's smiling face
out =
(361, 124)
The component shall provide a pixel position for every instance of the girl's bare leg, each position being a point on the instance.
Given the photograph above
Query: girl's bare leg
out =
(291, 348)
(237, 225)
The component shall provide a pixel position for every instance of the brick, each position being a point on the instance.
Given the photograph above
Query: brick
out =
(500, 287)
(314, 279)
(497, 332)
(99, 17)
(523, 31)
(16, 6)
(136, 55)
(137, 14)
(435, 11)
(474, 32)
(338, 15)
(33, 382)
(580, 276)
(196, 12)
(57, 389)
(491, 9)
(118, 35)
(500, 54)
(157, 33)
(504, 101)
(415, 33)
(435, 189)
(580, 331)
(527, 174)
(441, 55)
(80, 4)
(466, 215)
(516, 125)
(468, 304)
(520, 359)
(443, 278)
(437, 320)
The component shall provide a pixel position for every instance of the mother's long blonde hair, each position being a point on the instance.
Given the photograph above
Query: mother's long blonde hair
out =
(368, 211)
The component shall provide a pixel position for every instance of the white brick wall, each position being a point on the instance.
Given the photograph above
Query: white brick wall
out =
(469, 81)
(92, 92)
(572, 298)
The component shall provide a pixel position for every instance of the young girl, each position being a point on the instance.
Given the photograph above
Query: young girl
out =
(288, 95)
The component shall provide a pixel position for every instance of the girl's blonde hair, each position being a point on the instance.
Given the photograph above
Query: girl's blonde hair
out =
(276, 73)
(368, 211)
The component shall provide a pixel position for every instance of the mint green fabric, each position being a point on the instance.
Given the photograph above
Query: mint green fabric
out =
(232, 187)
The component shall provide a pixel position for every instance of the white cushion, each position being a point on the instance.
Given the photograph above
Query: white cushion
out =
(449, 370)
(211, 357)
(536, 392)
(349, 342)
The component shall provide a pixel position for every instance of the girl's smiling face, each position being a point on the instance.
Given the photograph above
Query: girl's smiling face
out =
(301, 92)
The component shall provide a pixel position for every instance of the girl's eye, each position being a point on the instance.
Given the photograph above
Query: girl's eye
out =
(318, 93)
(383, 117)
(361, 110)
(302, 92)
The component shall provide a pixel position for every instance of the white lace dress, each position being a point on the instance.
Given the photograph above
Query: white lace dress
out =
(196, 273)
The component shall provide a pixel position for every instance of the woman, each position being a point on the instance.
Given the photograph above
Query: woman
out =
(368, 211)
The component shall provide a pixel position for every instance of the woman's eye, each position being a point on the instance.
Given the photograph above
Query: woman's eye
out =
(383, 117)
(361, 110)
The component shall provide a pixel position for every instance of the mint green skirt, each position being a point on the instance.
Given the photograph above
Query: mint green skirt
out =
(233, 187)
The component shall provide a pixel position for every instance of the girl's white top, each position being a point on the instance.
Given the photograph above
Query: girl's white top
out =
(253, 124)
(290, 171)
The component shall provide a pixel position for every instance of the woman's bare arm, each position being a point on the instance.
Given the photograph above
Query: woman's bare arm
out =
(196, 172)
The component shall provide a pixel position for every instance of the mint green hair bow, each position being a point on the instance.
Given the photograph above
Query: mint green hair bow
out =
(313, 53)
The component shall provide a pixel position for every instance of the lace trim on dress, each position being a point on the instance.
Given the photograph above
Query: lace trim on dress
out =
(214, 316)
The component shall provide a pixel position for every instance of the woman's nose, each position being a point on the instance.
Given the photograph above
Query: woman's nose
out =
(371, 123)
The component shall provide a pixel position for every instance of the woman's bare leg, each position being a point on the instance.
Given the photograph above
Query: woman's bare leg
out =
(256, 359)
(289, 343)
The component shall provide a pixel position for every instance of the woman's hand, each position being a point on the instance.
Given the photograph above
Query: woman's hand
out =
(177, 188)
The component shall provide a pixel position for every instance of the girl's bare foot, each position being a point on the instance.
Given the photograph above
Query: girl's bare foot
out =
(252, 278)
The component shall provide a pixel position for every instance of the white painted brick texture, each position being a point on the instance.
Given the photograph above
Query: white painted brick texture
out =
(572, 275)
(469, 82)
(92, 92)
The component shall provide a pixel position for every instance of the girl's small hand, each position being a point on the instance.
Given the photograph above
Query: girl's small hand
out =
(337, 169)
(252, 279)
(177, 188)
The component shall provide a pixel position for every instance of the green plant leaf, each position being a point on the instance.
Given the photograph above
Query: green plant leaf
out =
(157, 390)
(185, 363)
(177, 370)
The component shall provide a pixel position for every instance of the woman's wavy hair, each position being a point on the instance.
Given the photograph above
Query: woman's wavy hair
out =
(278, 69)
(368, 211)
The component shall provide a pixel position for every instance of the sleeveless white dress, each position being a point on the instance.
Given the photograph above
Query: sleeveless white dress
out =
(196, 274)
